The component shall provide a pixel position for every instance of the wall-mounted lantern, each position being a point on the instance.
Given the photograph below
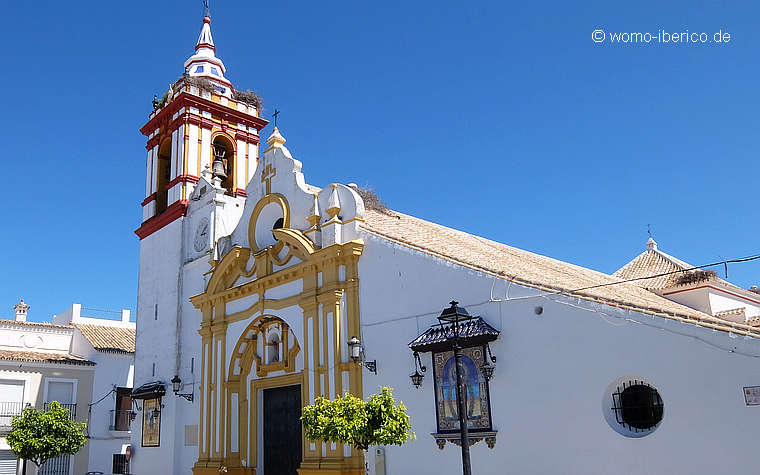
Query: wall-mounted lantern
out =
(177, 386)
(417, 377)
(489, 365)
(356, 352)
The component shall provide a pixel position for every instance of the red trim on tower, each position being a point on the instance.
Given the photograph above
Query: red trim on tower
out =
(174, 211)
(246, 136)
(205, 45)
(241, 192)
(149, 199)
(183, 179)
(152, 142)
(185, 99)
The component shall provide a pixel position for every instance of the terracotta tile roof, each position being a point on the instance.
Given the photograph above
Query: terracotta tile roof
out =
(4, 321)
(653, 262)
(105, 338)
(42, 357)
(532, 270)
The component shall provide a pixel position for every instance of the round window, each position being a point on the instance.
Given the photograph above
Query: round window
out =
(633, 407)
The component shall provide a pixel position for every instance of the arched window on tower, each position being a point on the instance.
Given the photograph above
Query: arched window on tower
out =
(223, 162)
(163, 170)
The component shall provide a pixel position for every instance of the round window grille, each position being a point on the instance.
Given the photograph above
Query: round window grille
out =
(633, 407)
(637, 405)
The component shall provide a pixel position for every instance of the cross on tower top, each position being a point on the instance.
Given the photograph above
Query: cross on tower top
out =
(275, 114)
(205, 8)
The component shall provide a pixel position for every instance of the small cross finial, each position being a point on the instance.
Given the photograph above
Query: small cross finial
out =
(649, 230)
(206, 9)
(275, 114)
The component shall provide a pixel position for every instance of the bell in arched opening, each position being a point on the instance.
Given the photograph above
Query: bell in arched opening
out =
(223, 162)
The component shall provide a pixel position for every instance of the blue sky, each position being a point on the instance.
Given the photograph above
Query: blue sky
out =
(504, 120)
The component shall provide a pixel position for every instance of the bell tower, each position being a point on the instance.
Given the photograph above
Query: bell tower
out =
(202, 150)
(200, 122)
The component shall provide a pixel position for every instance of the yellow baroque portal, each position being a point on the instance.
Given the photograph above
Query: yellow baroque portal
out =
(267, 350)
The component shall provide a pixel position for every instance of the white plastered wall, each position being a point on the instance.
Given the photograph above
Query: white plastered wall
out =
(552, 374)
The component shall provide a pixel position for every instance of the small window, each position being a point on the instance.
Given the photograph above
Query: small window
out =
(199, 69)
(215, 71)
(633, 407)
(123, 414)
(637, 405)
(120, 464)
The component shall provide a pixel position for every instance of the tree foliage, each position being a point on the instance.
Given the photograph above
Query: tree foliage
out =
(351, 421)
(41, 435)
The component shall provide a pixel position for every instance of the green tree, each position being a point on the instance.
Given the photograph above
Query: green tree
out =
(351, 421)
(41, 435)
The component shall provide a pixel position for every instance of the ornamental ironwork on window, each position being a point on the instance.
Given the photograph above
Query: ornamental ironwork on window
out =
(637, 405)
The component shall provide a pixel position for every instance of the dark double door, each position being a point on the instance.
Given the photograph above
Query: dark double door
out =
(282, 430)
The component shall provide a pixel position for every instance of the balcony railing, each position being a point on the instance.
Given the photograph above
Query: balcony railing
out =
(72, 408)
(8, 410)
(121, 420)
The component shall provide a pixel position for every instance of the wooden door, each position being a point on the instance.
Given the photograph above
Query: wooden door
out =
(282, 430)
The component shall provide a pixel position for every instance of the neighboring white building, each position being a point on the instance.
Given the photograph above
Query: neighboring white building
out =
(37, 367)
(110, 344)
(699, 289)
(86, 364)
(249, 291)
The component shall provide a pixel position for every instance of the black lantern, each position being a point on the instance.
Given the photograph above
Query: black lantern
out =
(177, 386)
(357, 355)
(489, 366)
(454, 313)
(417, 377)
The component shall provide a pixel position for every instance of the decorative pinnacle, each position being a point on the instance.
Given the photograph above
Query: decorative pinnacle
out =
(314, 218)
(651, 244)
(276, 140)
(333, 204)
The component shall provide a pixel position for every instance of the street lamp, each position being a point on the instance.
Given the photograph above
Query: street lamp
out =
(177, 386)
(357, 355)
(455, 315)
(417, 377)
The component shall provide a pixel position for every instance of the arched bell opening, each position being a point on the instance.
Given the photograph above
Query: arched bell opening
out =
(163, 172)
(223, 161)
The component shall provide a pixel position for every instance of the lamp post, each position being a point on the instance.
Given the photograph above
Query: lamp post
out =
(455, 314)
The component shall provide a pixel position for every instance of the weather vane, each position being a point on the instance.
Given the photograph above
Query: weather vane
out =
(275, 114)
(649, 230)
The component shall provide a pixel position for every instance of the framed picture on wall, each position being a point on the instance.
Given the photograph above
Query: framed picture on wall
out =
(151, 427)
(478, 404)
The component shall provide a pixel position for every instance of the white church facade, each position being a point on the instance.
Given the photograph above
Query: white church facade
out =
(252, 281)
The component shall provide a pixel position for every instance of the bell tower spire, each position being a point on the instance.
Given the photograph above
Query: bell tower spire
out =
(204, 62)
